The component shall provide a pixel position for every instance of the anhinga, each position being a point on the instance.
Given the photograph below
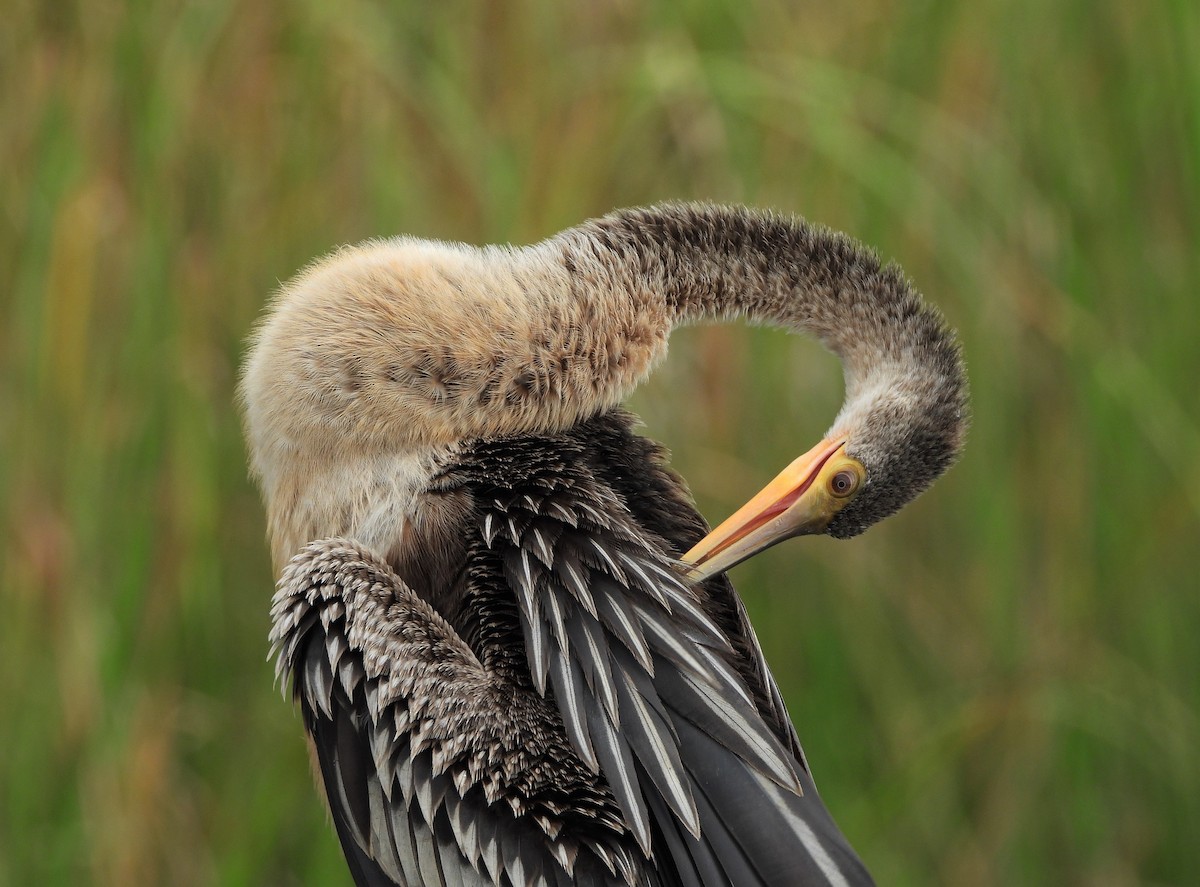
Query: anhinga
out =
(508, 672)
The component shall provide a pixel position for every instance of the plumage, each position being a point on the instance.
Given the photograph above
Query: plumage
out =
(506, 673)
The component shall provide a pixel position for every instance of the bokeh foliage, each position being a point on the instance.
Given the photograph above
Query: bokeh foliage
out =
(999, 686)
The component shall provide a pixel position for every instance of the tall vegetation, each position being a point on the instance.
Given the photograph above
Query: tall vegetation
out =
(999, 686)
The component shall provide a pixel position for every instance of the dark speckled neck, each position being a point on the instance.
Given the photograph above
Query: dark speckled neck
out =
(905, 415)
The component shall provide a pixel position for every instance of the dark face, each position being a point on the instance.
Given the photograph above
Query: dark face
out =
(902, 457)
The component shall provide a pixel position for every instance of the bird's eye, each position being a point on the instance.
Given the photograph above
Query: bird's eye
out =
(843, 483)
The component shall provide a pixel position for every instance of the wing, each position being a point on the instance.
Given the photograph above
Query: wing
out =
(636, 469)
(436, 772)
(650, 696)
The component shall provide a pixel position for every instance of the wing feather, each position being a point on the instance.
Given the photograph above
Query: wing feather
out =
(436, 773)
(617, 765)
(648, 692)
(586, 635)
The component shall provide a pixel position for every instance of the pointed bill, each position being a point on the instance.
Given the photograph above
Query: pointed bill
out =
(800, 501)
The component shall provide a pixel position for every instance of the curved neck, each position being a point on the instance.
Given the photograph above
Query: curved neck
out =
(404, 348)
(700, 263)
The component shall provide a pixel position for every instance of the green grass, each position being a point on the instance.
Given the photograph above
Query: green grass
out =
(999, 686)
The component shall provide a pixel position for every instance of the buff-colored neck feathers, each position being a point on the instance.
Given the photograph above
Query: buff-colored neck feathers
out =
(398, 348)
(408, 344)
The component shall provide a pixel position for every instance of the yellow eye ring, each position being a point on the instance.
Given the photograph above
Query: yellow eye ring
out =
(843, 483)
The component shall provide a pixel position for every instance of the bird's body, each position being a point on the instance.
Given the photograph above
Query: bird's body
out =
(505, 676)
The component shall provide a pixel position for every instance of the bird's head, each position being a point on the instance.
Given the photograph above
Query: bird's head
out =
(902, 425)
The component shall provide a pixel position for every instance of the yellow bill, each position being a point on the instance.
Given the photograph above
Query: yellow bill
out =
(802, 500)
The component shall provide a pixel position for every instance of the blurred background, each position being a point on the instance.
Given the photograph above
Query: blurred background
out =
(998, 686)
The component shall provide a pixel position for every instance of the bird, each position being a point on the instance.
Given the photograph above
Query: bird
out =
(517, 654)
